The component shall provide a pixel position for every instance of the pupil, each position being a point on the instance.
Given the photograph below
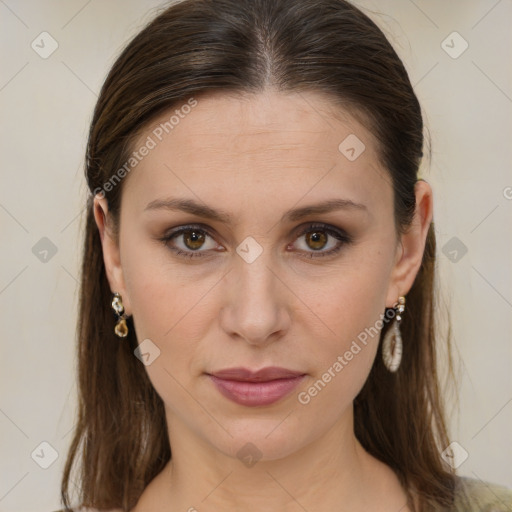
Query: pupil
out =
(195, 239)
(318, 239)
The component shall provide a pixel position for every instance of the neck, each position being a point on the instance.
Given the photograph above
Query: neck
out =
(331, 473)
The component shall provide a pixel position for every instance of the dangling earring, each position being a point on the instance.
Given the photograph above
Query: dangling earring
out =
(121, 329)
(392, 345)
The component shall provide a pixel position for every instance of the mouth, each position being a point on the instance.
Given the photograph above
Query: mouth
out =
(256, 388)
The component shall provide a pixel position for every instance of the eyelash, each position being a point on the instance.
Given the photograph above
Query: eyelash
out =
(338, 234)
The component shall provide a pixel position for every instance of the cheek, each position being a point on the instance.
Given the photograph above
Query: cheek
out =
(354, 300)
(162, 295)
(356, 326)
(352, 312)
(343, 360)
(173, 307)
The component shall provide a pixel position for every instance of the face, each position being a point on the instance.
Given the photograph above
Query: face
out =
(250, 238)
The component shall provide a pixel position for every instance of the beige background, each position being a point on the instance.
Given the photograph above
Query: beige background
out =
(46, 106)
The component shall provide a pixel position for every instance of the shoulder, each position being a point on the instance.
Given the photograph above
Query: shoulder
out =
(475, 495)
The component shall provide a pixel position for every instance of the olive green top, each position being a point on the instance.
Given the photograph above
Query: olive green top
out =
(472, 495)
(475, 495)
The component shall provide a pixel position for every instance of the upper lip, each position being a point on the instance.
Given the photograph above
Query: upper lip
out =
(265, 374)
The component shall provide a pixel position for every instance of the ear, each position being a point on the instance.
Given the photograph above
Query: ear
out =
(412, 245)
(111, 252)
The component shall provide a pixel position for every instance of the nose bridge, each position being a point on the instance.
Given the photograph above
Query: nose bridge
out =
(254, 309)
(255, 280)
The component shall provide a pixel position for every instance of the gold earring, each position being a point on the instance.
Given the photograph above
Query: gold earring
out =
(392, 346)
(121, 329)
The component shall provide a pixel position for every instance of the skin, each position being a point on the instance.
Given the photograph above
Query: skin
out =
(256, 156)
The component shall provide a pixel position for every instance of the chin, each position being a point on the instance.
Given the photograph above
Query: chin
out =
(261, 440)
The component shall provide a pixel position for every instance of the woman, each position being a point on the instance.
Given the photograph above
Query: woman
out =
(257, 304)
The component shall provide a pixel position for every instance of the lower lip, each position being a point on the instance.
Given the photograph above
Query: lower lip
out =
(256, 393)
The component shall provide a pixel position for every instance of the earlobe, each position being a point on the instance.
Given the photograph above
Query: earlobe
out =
(110, 248)
(412, 245)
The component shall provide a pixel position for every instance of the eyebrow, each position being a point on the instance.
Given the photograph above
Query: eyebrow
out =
(203, 210)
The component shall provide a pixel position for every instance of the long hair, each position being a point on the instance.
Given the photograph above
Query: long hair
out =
(192, 48)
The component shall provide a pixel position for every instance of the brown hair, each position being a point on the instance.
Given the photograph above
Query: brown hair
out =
(194, 47)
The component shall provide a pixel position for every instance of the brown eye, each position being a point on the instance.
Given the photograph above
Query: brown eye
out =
(193, 239)
(190, 241)
(316, 240)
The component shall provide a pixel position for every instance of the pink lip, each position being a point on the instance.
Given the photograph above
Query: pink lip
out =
(262, 387)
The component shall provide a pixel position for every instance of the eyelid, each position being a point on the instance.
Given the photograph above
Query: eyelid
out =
(188, 227)
(311, 226)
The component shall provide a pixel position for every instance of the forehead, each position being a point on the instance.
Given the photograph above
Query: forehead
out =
(268, 146)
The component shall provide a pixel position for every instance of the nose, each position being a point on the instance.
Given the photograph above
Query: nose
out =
(255, 308)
